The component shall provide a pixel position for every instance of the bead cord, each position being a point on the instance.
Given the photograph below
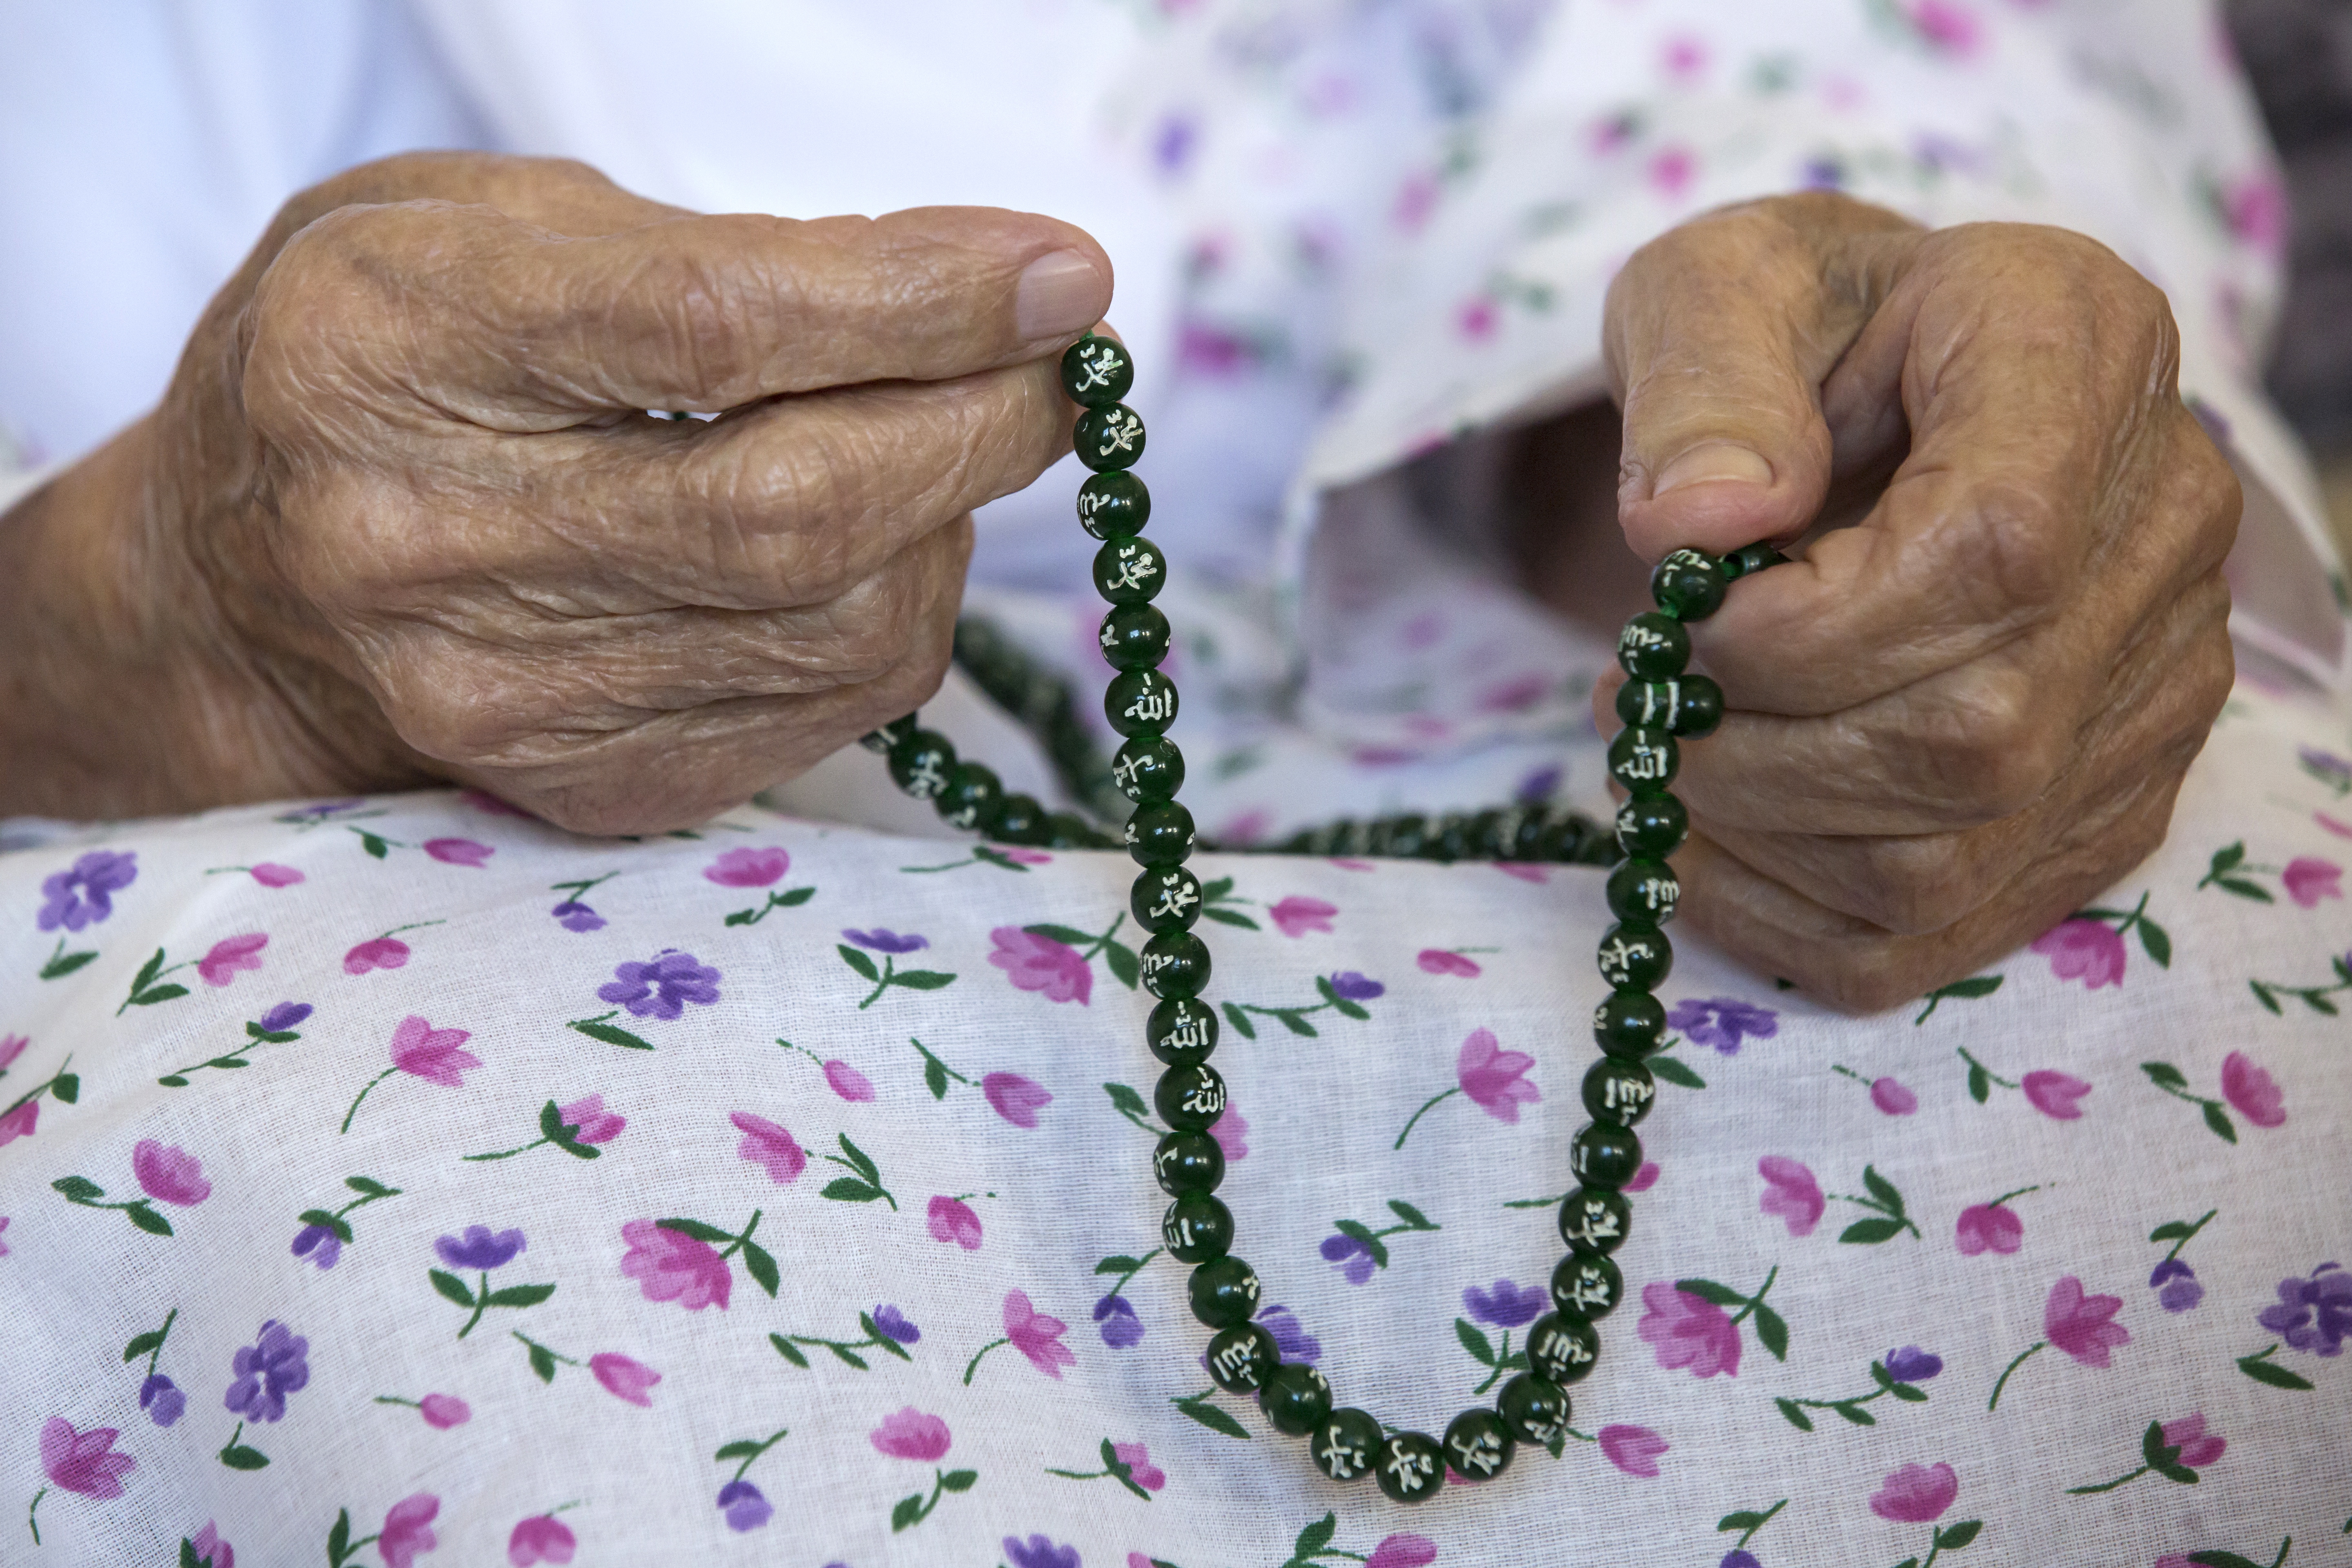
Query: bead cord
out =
(1662, 704)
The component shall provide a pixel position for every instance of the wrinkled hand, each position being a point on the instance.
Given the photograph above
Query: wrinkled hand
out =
(1953, 722)
(403, 515)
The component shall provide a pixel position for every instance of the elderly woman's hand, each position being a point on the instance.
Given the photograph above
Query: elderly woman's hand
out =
(1952, 722)
(403, 515)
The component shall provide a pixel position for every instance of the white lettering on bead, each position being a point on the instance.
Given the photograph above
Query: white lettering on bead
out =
(1540, 1432)
(1659, 701)
(1483, 1453)
(1625, 1094)
(1136, 568)
(1660, 893)
(1235, 1360)
(1187, 1035)
(1119, 434)
(927, 780)
(1644, 761)
(1175, 897)
(1124, 771)
(1342, 1461)
(1616, 956)
(1591, 1291)
(1101, 362)
(1411, 1469)
(1202, 1099)
(1598, 1222)
(1151, 707)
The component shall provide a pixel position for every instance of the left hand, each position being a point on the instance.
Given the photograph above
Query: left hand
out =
(1952, 722)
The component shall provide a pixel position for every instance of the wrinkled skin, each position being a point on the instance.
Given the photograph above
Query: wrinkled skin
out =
(402, 517)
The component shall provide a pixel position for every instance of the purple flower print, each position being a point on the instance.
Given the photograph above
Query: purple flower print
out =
(1723, 1022)
(408, 1531)
(671, 1266)
(909, 1434)
(624, 1378)
(1353, 1256)
(1507, 1306)
(458, 851)
(376, 952)
(2309, 880)
(952, 1219)
(168, 1174)
(163, 1399)
(2252, 1092)
(2081, 1325)
(1230, 1130)
(662, 987)
(1298, 915)
(1040, 963)
(1790, 1191)
(1892, 1097)
(543, 1538)
(1038, 1552)
(770, 1147)
(893, 1325)
(211, 1550)
(482, 1248)
(318, 1244)
(2176, 1286)
(1989, 1227)
(881, 938)
(84, 1462)
(1438, 960)
(1355, 987)
(1688, 1331)
(573, 915)
(1911, 1365)
(1739, 1559)
(231, 956)
(275, 1365)
(271, 875)
(744, 1506)
(1633, 1449)
(1014, 1098)
(748, 867)
(443, 1411)
(283, 1016)
(2088, 950)
(2314, 1314)
(1036, 1336)
(1120, 1327)
(849, 1082)
(1917, 1494)
(1291, 1337)
(2055, 1094)
(422, 1051)
(1402, 1551)
(1494, 1078)
(85, 894)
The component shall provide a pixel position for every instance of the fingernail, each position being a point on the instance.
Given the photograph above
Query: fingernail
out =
(1060, 294)
(1718, 461)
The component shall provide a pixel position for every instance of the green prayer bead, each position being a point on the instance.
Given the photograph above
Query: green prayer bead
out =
(1408, 1467)
(970, 800)
(1644, 760)
(1189, 1099)
(1109, 437)
(1587, 1285)
(1181, 1031)
(1223, 1292)
(1652, 825)
(1561, 1349)
(1175, 964)
(1160, 832)
(1596, 1219)
(1148, 767)
(1685, 704)
(1196, 1228)
(1750, 559)
(1478, 1444)
(1618, 1092)
(1164, 897)
(1068, 830)
(881, 739)
(1242, 1356)
(1343, 1443)
(1296, 1398)
(1020, 819)
(1635, 958)
(1687, 584)
(1133, 637)
(1600, 1156)
(1114, 505)
(1143, 701)
(1643, 892)
(1097, 372)
(1403, 836)
(1629, 1024)
(1654, 646)
(1188, 1163)
(1535, 1409)
(921, 762)
(1130, 571)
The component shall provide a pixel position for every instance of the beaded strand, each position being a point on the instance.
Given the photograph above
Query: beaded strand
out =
(1661, 703)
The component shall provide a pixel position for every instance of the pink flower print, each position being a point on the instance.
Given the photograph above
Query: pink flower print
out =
(2341, 829)
(1790, 1191)
(168, 1174)
(770, 1147)
(849, 1082)
(211, 1550)
(909, 1434)
(1892, 1097)
(1494, 1078)
(2309, 880)
(1643, 1179)
(1141, 1470)
(1402, 1551)
(1683, 58)
(443, 1411)
(422, 1051)
(748, 867)
(378, 952)
(952, 1219)
(1670, 171)
(543, 1538)
(11, 1047)
(671, 1267)
(1945, 26)
(624, 1378)
(458, 851)
(2088, 950)
(1689, 1331)
(1014, 1098)
(2198, 1448)
(2256, 209)
(4, 1225)
(19, 1122)
(595, 1124)
(1476, 317)
(2252, 1092)
(1297, 914)
(1917, 1494)
(1230, 1132)
(1416, 198)
(2054, 1094)
(1633, 1449)
(1035, 962)
(1437, 961)
(231, 956)
(1989, 1227)
(2080, 1325)
(84, 1462)
(1036, 1336)
(269, 874)
(407, 1533)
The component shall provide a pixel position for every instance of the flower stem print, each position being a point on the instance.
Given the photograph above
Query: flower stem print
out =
(1058, 959)
(1357, 1250)
(2249, 1088)
(1032, 1333)
(1748, 1522)
(1129, 1464)
(159, 1397)
(889, 945)
(757, 868)
(2080, 1324)
(886, 1329)
(739, 1502)
(146, 990)
(576, 1128)
(164, 1174)
(405, 1535)
(2228, 870)
(2174, 1282)
(1009, 1095)
(756, 1260)
(1313, 1549)
(1887, 1093)
(839, 1077)
(325, 1233)
(422, 1051)
(1120, 1327)
(1215, 896)
(2176, 1450)
(2054, 1094)
(1672, 1070)
(1493, 1078)
(2085, 946)
(600, 1028)
(1501, 1305)
(1969, 990)
(624, 1377)
(1882, 1197)
(1002, 858)
(482, 1249)
(2261, 1369)
(60, 963)
(2315, 997)
(238, 1454)
(1686, 1323)
(862, 1184)
(1200, 1407)
(575, 913)
(1130, 1104)
(24, 1112)
(2218, 1559)
(83, 1462)
(910, 1434)
(275, 1028)
(1344, 993)
(1899, 1373)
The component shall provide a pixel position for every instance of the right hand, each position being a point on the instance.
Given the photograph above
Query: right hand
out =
(402, 515)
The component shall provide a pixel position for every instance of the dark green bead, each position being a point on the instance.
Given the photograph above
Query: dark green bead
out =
(1133, 637)
(1175, 964)
(1618, 1092)
(1652, 825)
(921, 762)
(1702, 707)
(1160, 832)
(1296, 1399)
(1242, 1356)
(1109, 437)
(1452, 839)
(1688, 704)
(1130, 570)
(1492, 832)
(1750, 559)
(1165, 897)
(1629, 1024)
(1343, 1443)
(1654, 646)
(1097, 372)
(1688, 585)
(888, 735)
(1188, 1163)
(1527, 844)
(1643, 892)
(1148, 767)
(1535, 1409)
(1478, 1444)
(1409, 1466)
(1635, 958)
(1196, 1228)
(1189, 1099)
(1114, 505)
(1143, 703)
(1068, 830)
(1562, 1350)
(1181, 1031)
(1587, 1285)
(1564, 843)
(1596, 1219)
(1020, 819)
(1644, 760)
(1403, 836)
(1223, 1292)
(1599, 1155)
(971, 799)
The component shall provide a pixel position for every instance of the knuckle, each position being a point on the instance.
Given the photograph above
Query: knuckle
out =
(1916, 885)
(1986, 746)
